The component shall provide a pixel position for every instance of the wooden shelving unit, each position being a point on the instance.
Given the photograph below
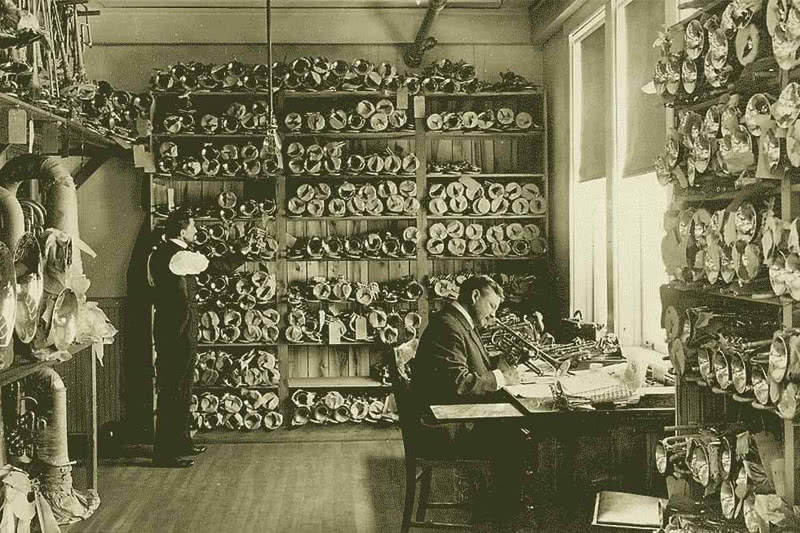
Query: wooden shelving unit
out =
(202, 191)
(74, 129)
(504, 156)
(696, 401)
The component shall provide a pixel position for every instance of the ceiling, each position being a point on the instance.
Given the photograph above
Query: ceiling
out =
(315, 4)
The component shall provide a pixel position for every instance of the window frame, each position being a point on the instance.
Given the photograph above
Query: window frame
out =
(610, 15)
(593, 22)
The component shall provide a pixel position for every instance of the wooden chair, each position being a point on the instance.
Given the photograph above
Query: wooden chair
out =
(420, 461)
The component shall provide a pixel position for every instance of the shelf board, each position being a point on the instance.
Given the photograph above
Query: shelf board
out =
(209, 135)
(215, 220)
(486, 258)
(699, 196)
(480, 176)
(708, 7)
(75, 128)
(750, 402)
(485, 134)
(706, 291)
(21, 370)
(347, 432)
(353, 259)
(197, 386)
(336, 383)
(359, 217)
(345, 176)
(337, 94)
(375, 302)
(704, 103)
(235, 345)
(383, 93)
(485, 94)
(204, 92)
(352, 134)
(203, 177)
(504, 217)
(343, 343)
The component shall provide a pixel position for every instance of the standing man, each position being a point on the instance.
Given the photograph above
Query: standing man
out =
(453, 366)
(172, 269)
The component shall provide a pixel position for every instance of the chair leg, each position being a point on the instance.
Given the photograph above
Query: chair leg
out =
(411, 489)
(424, 493)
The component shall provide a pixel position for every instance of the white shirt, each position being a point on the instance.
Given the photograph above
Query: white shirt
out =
(498, 375)
(182, 263)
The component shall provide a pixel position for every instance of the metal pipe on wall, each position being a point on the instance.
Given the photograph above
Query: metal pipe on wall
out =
(422, 43)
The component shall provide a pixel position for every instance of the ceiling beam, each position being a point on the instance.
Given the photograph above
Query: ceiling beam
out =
(548, 17)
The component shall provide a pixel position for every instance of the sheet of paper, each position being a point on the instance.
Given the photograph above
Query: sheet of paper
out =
(623, 509)
(531, 390)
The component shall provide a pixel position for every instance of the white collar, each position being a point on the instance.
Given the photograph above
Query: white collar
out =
(180, 243)
(464, 312)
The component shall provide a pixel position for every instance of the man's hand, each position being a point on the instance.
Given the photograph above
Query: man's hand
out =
(509, 372)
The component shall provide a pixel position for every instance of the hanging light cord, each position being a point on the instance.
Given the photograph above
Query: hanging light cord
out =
(269, 59)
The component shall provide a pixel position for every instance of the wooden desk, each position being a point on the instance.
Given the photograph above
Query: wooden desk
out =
(572, 452)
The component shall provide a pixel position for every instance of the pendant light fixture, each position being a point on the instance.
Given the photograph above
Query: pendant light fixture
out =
(272, 141)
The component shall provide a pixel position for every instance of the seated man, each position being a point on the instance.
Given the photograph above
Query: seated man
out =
(453, 366)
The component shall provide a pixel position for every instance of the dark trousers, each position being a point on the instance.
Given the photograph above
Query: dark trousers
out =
(174, 365)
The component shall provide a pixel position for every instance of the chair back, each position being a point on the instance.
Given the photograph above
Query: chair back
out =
(409, 408)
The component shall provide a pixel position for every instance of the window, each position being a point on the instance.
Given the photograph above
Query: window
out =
(641, 201)
(612, 155)
(588, 166)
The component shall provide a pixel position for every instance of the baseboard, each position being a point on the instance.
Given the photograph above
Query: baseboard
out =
(307, 433)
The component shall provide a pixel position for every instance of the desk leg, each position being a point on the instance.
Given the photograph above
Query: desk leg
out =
(92, 417)
(565, 477)
(2, 432)
(531, 466)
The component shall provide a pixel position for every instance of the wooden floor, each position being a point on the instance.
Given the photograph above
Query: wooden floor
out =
(301, 487)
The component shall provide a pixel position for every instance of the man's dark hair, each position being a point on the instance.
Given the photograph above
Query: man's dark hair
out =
(482, 283)
(177, 221)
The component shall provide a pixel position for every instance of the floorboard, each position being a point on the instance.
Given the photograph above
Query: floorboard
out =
(300, 487)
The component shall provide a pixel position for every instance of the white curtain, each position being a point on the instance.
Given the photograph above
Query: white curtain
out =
(589, 284)
(638, 220)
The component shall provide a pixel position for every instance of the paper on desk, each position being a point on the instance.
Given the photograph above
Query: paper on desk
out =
(627, 510)
(595, 385)
(540, 390)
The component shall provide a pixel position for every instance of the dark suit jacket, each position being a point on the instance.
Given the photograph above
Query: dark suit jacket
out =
(174, 301)
(451, 364)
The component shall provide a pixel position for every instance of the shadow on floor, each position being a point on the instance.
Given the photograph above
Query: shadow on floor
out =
(385, 478)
